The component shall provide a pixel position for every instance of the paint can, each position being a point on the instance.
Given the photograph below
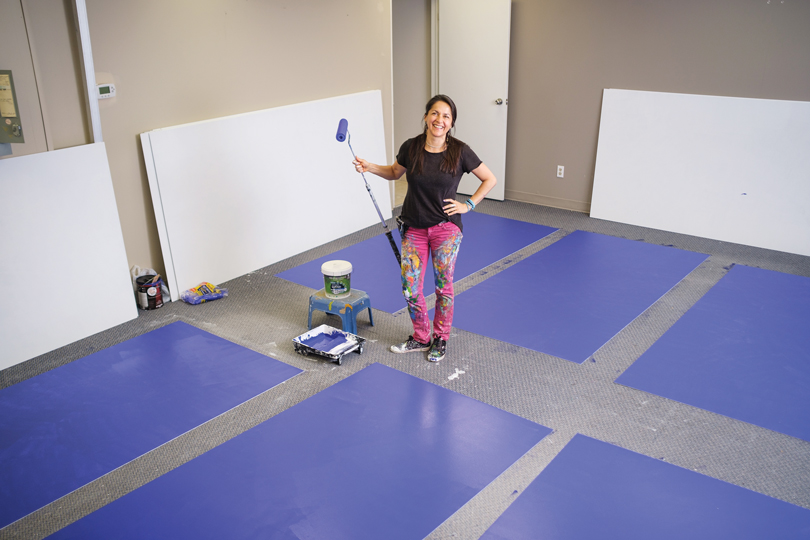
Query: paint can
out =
(148, 292)
(337, 278)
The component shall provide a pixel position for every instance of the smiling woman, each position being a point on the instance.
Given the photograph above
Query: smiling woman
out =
(431, 224)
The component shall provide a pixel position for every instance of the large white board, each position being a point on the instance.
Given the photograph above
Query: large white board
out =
(731, 169)
(235, 194)
(62, 260)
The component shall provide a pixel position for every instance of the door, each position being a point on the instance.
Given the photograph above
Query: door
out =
(471, 66)
(15, 55)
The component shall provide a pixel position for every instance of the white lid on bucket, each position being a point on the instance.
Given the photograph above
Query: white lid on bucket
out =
(336, 268)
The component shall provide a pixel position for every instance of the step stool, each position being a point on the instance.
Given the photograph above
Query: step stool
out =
(346, 308)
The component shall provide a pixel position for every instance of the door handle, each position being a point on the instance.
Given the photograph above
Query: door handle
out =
(499, 101)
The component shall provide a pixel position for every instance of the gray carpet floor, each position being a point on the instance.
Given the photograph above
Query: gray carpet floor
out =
(264, 313)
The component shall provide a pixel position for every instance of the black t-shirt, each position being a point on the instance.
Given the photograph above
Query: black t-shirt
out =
(426, 191)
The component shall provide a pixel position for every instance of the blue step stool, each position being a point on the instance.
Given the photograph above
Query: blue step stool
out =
(346, 308)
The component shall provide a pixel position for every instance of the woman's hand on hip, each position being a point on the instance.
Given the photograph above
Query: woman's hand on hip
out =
(455, 207)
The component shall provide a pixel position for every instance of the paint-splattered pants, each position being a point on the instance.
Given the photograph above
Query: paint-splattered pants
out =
(442, 242)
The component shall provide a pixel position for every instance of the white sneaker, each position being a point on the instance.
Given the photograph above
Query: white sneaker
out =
(410, 346)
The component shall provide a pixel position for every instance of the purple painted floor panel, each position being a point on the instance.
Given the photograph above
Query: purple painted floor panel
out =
(593, 489)
(742, 351)
(380, 454)
(572, 297)
(71, 425)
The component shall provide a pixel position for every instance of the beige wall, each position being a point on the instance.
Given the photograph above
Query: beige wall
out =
(565, 52)
(182, 61)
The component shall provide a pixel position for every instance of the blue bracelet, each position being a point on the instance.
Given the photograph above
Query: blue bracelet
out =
(471, 204)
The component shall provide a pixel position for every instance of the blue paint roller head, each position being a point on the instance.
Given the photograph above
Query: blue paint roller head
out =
(343, 128)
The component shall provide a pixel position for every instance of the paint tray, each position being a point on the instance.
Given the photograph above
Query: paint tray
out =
(328, 342)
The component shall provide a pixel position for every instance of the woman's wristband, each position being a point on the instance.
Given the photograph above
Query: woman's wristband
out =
(470, 204)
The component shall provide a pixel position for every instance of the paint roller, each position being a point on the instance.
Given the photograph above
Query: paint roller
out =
(344, 135)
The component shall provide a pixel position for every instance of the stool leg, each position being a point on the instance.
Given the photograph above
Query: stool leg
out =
(309, 322)
(349, 320)
(370, 317)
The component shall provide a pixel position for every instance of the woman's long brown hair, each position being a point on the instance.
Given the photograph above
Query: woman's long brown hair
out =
(452, 156)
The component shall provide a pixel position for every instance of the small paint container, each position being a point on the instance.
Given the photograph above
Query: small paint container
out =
(337, 278)
(149, 295)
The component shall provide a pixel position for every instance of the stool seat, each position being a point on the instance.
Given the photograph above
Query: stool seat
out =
(346, 308)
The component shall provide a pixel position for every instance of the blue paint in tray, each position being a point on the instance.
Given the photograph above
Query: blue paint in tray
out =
(325, 342)
(328, 341)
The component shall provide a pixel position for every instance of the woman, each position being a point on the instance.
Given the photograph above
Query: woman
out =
(435, 162)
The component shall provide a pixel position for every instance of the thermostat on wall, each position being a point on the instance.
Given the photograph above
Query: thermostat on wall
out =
(105, 91)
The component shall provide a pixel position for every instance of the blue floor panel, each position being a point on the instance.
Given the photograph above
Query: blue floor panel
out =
(572, 297)
(742, 351)
(487, 239)
(593, 489)
(380, 454)
(71, 425)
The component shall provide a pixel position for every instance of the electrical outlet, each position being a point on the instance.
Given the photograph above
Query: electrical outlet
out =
(560, 171)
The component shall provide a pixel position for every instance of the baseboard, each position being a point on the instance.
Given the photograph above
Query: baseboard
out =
(554, 202)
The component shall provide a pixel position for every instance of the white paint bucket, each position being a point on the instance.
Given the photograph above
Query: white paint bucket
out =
(337, 278)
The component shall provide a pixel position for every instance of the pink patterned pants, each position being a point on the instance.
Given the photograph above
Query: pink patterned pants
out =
(442, 241)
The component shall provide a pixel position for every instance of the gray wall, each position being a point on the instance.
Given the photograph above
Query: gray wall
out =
(565, 52)
(411, 33)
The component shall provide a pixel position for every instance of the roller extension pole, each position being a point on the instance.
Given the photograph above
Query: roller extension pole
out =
(344, 135)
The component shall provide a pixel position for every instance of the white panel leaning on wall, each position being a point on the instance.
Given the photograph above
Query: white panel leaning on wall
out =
(238, 193)
(730, 169)
(65, 268)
